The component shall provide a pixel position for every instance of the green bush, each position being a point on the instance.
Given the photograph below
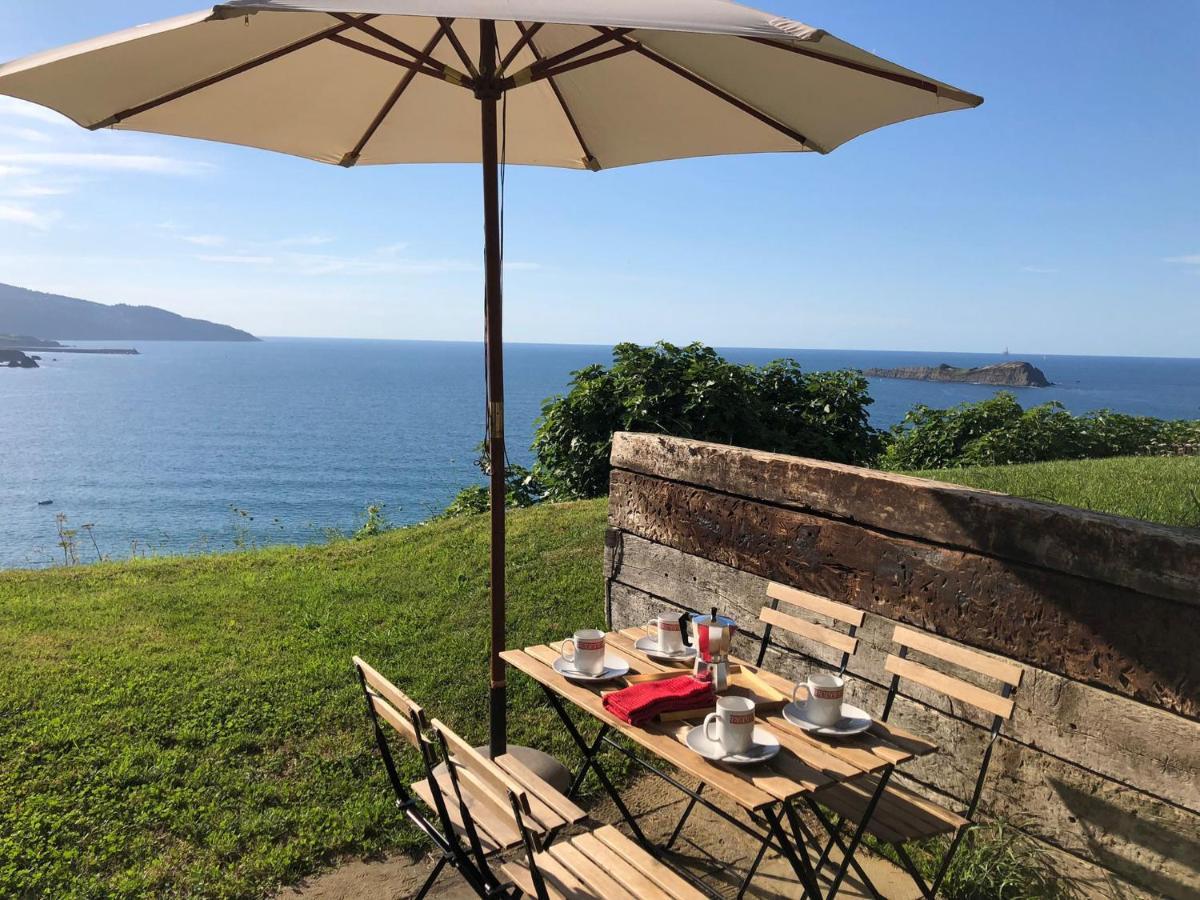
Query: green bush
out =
(694, 392)
(998, 431)
(522, 489)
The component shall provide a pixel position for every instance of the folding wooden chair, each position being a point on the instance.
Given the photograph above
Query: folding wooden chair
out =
(594, 865)
(902, 816)
(456, 844)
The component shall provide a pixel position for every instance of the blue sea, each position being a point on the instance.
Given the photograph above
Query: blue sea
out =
(192, 447)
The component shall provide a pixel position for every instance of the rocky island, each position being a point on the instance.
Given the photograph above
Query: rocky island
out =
(15, 359)
(1005, 374)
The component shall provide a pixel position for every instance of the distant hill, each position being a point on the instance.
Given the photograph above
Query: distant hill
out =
(52, 317)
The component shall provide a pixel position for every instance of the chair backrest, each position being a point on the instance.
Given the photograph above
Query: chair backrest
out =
(998, 703)
(841, 614)
(900, 666)
(494, 793)
(476, 775)
(392, 705)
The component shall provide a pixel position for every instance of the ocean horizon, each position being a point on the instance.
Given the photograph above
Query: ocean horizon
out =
(193, 446)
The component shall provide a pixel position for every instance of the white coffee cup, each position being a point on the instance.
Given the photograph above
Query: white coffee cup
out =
(734, 722)
(824, 704)
(586, 651)
(665, 629)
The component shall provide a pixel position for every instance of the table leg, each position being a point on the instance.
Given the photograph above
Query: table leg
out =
(798, 861)
(848, 852)
(590, 761)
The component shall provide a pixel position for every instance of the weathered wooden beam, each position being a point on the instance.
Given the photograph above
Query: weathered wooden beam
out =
(1148, 558)
(1128, 643)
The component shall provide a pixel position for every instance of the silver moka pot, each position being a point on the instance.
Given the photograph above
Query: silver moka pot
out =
(712, 636)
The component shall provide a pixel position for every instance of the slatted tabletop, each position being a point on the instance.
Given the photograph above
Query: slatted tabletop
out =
(805, 765)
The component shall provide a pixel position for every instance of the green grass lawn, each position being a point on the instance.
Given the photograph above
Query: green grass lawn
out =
(1157, 489)
(192, 727)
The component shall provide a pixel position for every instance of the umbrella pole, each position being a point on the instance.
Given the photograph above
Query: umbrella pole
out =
(488, 94)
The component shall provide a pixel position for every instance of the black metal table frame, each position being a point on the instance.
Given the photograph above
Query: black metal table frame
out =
(775, 838)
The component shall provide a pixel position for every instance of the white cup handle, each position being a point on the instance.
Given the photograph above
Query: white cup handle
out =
(711, 719)
(652, 628)
(563, 651)
(795, 691)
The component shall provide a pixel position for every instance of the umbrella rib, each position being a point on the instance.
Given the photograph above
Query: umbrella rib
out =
(449, 73)
(352, 157)
(898, 77)
(223, 76)
(525, 38)
(713, 89)
(458, 47)
(534, 72)
(588, 159)
(451, 76)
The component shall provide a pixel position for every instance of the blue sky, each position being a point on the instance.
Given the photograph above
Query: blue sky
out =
(1062, 216)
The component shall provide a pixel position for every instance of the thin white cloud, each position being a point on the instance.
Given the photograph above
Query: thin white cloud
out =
(392, 249)
(205, 240)
(10, 106)
(1191, 259)
(238, 260)
(33, 191)
(23, 215)
(29, 135)
(312, 240)
(15, 171)
(108, 162)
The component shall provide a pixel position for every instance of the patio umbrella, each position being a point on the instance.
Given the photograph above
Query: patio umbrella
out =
(585, 84)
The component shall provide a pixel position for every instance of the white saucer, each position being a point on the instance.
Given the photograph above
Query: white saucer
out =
(764, 746)
(649, 646)
(614, 667)
(853, 721)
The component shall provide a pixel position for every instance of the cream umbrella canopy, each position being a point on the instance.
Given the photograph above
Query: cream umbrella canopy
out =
(586, 85)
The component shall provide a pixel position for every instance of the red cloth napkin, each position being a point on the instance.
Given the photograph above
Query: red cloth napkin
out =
(639, 703)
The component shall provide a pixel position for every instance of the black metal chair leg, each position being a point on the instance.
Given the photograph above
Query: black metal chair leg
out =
(833, 829)
(849, 851)
(913, 872)
(945, 866)
(687, 812)
(437, 870)
(745, 885)
(799, 861)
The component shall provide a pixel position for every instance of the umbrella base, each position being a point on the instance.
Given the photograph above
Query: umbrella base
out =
(541, 764)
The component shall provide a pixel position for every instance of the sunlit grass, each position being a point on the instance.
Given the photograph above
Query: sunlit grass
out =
(1157, 489)
(191, 726)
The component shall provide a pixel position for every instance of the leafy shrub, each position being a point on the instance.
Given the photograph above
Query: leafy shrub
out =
(998, 431)
(373, 522)
(693, 392)
(523, 489)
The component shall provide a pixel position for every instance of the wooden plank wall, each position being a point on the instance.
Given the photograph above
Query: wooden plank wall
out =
(1101, 760)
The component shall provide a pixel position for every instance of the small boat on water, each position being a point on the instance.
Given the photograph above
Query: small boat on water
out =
(45, 502)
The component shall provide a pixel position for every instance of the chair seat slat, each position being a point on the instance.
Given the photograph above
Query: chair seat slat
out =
(602, 883)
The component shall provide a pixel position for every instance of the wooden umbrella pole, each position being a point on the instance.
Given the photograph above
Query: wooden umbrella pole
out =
(488, 93)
